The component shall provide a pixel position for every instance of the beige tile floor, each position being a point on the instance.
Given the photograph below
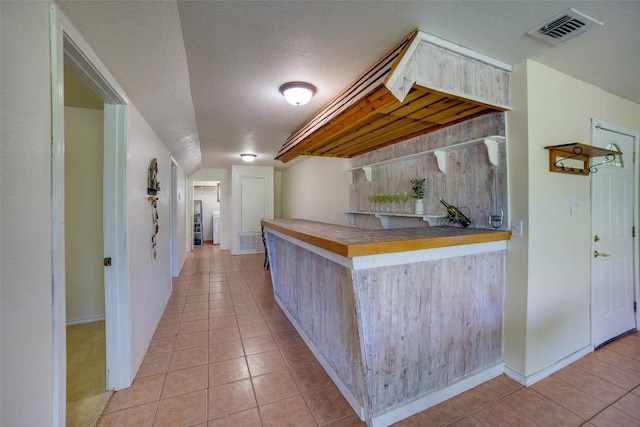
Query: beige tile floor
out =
(86, 375)
(224, 354)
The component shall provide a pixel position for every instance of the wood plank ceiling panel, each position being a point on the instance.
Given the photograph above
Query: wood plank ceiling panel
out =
(376, 135)
(368, 116)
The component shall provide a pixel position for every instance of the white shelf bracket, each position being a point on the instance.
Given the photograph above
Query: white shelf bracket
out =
(352, 218)
(434, 220)
(492, 151)
(367, 172)
(384, 220)
(441, 157)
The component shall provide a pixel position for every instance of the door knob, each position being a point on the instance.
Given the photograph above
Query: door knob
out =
(596, 254)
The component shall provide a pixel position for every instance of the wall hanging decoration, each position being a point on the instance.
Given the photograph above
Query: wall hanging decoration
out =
(154, 223)
(153, 185)
(153, 188)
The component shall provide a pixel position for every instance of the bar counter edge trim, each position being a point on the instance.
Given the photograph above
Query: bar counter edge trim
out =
(395, 258)
(351, 250)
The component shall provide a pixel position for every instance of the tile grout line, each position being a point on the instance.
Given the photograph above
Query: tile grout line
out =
(493, 402)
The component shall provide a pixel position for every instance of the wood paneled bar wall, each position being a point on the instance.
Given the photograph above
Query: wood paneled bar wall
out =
(400, 319)
(470, 181)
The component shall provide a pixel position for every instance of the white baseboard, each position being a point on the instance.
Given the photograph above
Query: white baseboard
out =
(515, 375)
(84, 320)
(138, 363)
(529, 380)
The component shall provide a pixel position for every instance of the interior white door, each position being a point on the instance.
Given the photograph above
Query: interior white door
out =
(252, 203)
(252, 199)
(612, 267)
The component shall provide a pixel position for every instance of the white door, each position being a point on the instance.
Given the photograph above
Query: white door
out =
(252, 200)
(613, 220)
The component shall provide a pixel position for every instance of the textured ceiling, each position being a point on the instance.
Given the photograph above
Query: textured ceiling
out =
(205, 74)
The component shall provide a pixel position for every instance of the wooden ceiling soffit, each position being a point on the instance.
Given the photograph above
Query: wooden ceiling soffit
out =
(420, 86)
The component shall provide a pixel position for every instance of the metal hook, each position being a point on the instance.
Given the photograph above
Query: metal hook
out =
(496, 220)
(577, 151)
(610, 158)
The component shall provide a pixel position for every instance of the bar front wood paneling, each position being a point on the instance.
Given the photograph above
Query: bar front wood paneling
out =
(401, 332)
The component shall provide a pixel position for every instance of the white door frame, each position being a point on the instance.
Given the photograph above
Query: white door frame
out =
(173, 218)
(220, 175)
(238, 172)
(599, 124)
(67, 45)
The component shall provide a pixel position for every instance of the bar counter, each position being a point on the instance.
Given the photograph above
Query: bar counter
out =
(351, 241)
(400, 319)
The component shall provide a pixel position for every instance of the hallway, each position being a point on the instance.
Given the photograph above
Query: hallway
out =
(224, 354)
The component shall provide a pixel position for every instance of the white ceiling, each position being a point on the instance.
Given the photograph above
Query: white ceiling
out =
(205, 74)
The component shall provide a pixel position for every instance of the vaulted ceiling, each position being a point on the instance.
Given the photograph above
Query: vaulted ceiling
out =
(205, 74)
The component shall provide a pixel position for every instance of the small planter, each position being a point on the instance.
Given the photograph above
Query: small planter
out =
(417, 186)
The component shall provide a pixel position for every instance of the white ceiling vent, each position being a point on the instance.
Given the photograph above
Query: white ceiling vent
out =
(564, 26)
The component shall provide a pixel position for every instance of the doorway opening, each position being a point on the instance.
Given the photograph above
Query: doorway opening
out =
(69, 49)
(206, 212)
(86, 377)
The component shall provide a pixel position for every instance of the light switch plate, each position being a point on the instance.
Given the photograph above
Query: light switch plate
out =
(575, 206)
(516, 228)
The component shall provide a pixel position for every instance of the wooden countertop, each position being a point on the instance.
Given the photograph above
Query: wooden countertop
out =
(352, 241)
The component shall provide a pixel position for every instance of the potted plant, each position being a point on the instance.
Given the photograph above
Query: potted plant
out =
(417, 186)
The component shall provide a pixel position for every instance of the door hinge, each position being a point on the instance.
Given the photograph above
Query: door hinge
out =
(633, 231)
(634, 157)
(107, 262)
(635, 307)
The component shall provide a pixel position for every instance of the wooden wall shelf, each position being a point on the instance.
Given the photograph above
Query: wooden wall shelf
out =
(491, 142)
(386, 218)
(577, 151)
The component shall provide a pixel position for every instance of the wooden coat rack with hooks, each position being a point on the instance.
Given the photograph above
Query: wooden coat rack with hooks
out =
(577, 151)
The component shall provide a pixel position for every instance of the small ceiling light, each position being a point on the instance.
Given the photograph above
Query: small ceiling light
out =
(248, 157)
(297, 93)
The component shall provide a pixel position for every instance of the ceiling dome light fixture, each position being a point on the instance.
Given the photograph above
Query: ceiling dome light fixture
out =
(297, 93)
(247, 157)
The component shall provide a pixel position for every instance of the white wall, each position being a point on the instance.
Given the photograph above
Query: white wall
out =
(316, 189)
(517, 255)
(277, 194)
(149, 278)
(558, 320)
(557, 261)
(25, 229)
(84, 245)
(209, 204)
